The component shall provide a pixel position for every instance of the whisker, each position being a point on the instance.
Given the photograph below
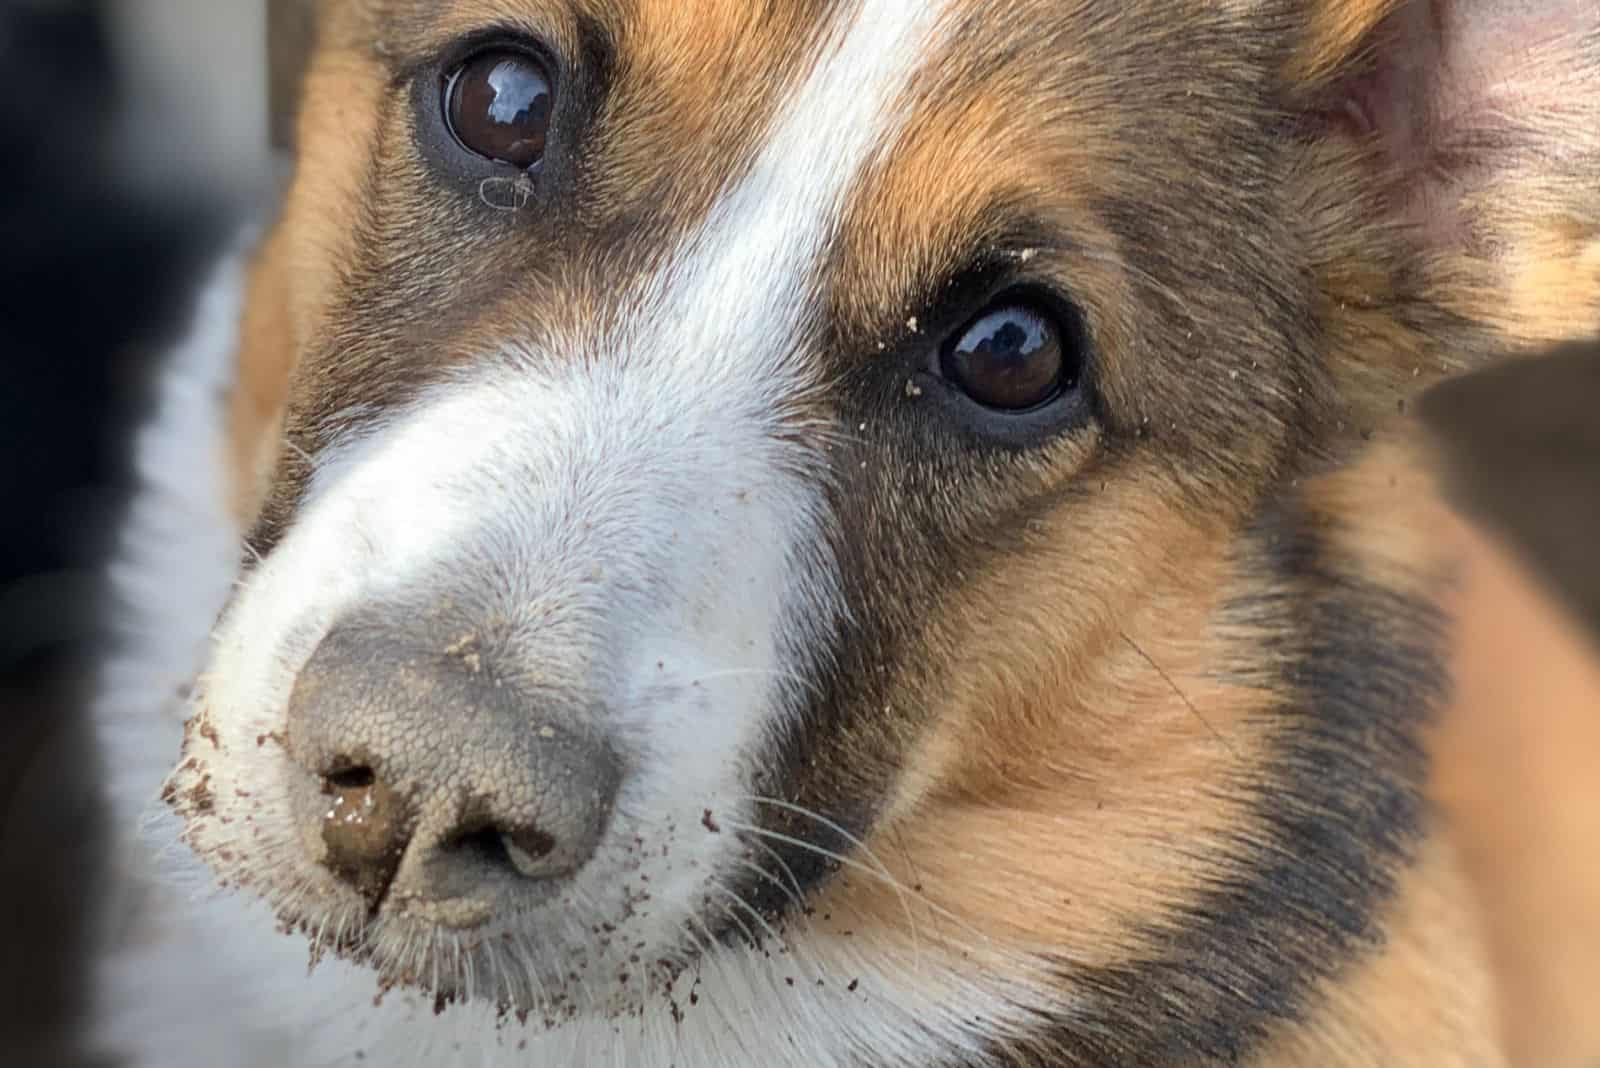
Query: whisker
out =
(434, 961)
(794, 899)
(977, 936)
(707, 960)
(855, 865)
(754, 914)
(299, 452)
(318, 940)
(1173, 685)
(749, 935)
(783, 865)
(917, 880)
(788, 949)
(703, 945)
(541, 992)
(883, 869)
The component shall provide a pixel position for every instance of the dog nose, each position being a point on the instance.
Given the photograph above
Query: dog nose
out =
(436, 777)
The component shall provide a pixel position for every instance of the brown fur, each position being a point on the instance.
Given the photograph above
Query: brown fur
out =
(1334, 33)
(1074, 736)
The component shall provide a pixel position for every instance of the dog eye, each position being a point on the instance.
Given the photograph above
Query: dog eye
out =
(498, 106)
(1013, 357)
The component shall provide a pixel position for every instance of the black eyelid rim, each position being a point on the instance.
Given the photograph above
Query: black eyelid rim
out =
(589, 68)
(1002, 263)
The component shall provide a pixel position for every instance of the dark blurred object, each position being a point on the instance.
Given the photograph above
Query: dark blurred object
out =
(1523, 444)
(289, 38)
(93, 276)
(1517, 756)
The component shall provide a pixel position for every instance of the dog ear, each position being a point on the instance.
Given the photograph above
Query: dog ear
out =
(1475, 125)
(290, 26)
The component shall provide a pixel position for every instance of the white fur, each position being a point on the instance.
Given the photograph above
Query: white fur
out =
(631, 490)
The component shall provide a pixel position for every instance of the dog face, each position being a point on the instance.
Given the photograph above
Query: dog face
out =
(785, 508)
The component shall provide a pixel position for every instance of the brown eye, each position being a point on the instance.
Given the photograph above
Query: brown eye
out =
(498, 105)
(1010, 358)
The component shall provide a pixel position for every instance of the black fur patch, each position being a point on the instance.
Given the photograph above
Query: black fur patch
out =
(1337, 813)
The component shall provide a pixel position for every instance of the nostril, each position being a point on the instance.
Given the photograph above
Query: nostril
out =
(364, 829)
(525, 850)
(485, 844)
(359, 778)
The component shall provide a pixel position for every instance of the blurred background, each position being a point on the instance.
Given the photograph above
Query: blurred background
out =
(135, 137)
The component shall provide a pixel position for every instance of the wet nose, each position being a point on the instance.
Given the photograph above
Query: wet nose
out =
(435, 777)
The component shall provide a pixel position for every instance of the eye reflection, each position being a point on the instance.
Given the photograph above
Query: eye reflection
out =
(499, 105)
(1010, 358)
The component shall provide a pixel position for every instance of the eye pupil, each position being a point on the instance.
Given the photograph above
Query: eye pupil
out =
(1010, 358)
(499, 105)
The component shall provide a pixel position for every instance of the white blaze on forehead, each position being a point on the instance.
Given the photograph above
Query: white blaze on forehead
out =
(742, 285)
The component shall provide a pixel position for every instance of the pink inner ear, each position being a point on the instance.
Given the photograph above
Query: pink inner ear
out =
(1392, 97)
(1449, 89)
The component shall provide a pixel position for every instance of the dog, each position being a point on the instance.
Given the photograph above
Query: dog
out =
(836, 532)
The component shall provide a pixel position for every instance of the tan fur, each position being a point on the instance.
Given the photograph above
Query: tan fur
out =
(671, 153)
(266, 359)
(666, 152)
(1491, 948)
(1032, 868)
(956, 176)
(1552, 275)
(1430, 997)
(1509, 889)
(683, 61)
(1007, 807)
(1520, 244)
(1336, 30)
